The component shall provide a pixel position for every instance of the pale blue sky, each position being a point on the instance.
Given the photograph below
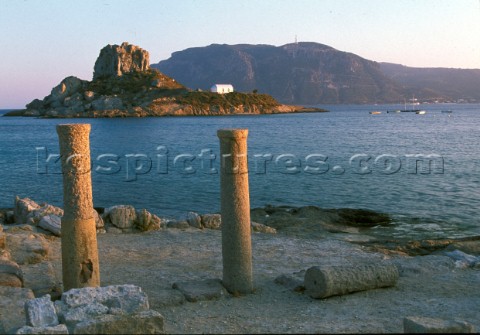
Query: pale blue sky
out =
(44, 41)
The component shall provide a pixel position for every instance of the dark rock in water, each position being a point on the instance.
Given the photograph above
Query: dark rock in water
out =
(363, 217)
(469, 245)
(315, 222)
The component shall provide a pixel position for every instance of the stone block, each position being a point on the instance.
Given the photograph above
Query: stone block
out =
(72, 316)
(161, 298)
(194, 220)
(212, 221)
(27, 247)
(208, 289)
(10, 274)
(426, 325)
(12, 310)
(294, 281)
(42, 279)
(261, 228)
(121, 216)
(59, 329)
(146, 322)
(7, 279)
(40, 312)
(125, 299)
(51, 223)
(22, 208)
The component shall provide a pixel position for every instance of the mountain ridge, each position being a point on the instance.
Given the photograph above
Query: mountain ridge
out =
(313, 73)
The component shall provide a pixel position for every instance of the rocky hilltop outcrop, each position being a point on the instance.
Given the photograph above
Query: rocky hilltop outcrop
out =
(123, 85)
(117, 60)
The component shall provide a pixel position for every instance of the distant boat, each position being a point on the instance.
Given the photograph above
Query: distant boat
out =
(447, 112)
(405, 110)
(375, 112)
(394, 111)
(420, 112)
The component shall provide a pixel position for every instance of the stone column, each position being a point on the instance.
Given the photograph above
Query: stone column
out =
(235, 208)
(79, 238)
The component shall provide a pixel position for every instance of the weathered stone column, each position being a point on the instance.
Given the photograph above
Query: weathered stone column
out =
(235, 208)
(325, 281)
(79, 237)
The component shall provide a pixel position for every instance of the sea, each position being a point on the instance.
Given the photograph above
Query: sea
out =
(423, 170)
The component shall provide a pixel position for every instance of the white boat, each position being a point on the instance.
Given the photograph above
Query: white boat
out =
(420, 112)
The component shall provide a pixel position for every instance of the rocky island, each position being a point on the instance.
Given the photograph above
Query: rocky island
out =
(124, 85)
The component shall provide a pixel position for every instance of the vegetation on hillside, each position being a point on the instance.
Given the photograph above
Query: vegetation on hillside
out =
(204, 99)
(136, 83)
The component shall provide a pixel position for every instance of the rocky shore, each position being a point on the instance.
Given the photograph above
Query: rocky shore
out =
(124, 85)
(177, 263)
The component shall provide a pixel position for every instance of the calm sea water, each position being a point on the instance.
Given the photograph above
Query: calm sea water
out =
(345, 158)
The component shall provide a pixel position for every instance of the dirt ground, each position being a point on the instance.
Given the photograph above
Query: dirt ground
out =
(431, 285)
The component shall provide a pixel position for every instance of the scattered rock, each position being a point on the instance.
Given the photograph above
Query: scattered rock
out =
(8, 279)
(26, 247)
(293, 282)
(146, 221)
(161, 298)
(12, 299)
(194, 220)
(108, 310)
(182, 224)
(117, 298)
(211, 221)
(40, 312)
(423, 325)
(121, 216)
(58, 329)
(146, 322)
(208, 289)
(42, 279)
(261, 228)
(10, 274)
(51, 223)
(463, 260)
(22, 209)
(36, 215)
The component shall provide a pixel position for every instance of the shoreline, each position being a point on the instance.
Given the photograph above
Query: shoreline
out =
(106, 115)
(313, 223)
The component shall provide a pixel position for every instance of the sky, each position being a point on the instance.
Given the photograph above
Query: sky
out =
(44, 41)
